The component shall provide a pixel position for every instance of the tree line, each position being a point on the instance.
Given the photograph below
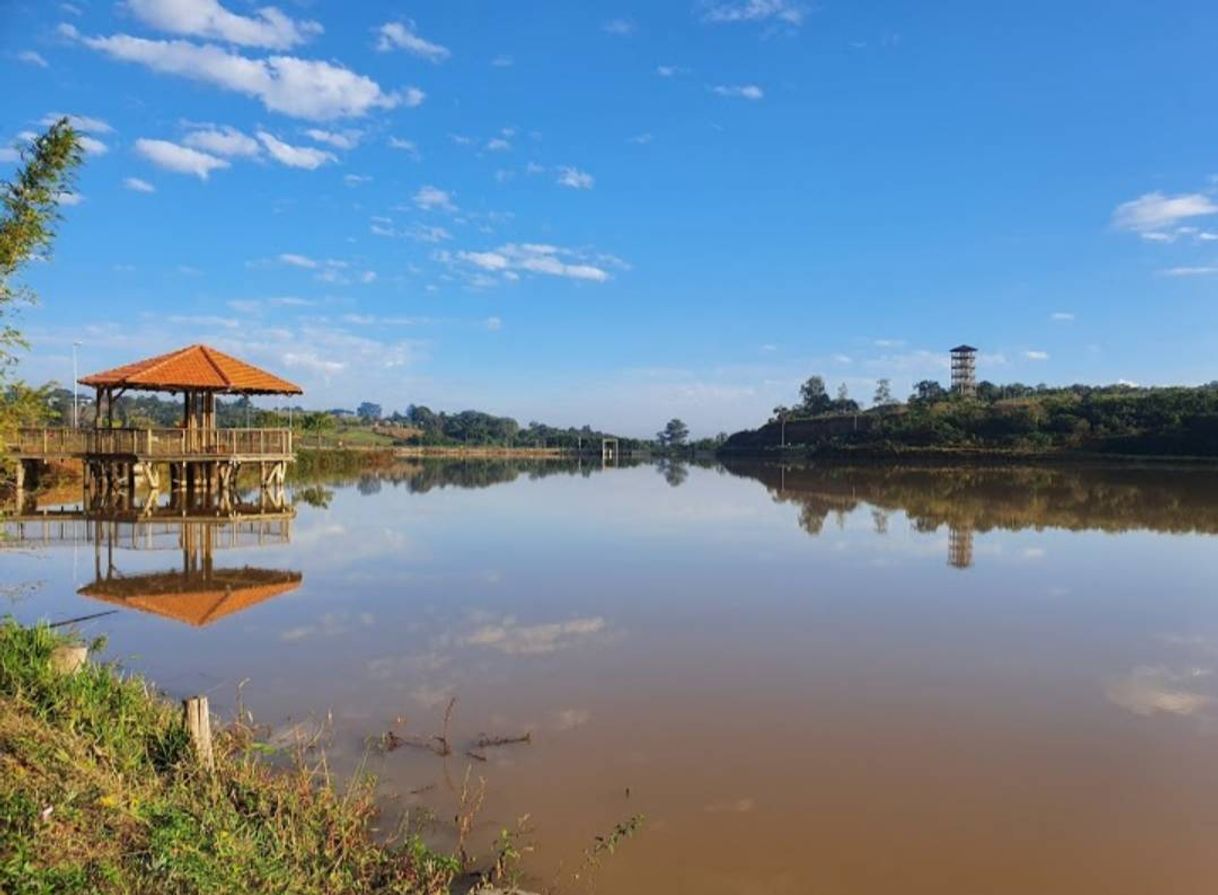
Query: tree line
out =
(1175, 420)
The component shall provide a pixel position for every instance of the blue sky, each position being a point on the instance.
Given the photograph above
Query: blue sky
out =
(616, 213)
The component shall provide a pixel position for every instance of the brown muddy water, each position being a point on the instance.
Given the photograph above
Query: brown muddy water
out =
(809, 680)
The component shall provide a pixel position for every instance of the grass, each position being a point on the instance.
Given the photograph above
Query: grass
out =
(100, 792)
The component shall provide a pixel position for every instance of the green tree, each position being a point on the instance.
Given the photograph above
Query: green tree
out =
(928, 392)
(814, 399)
(883, 393)
(29, 211)
(674, 434)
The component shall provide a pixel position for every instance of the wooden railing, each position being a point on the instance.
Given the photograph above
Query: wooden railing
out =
(152, 443)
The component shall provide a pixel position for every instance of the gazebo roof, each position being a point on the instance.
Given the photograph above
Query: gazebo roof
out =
(964, 349)
(194, 368)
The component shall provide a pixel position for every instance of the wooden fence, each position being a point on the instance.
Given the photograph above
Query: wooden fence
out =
(152, 443)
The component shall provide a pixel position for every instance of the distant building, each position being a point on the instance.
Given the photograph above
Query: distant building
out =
(964, 370)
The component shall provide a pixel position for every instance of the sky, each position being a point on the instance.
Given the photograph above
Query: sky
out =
(616, 213)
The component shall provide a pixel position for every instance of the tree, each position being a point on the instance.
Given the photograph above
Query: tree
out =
(883, 393)
(928, 392)
(674, 434)
(814, 399)
(843, 403)
(368, 412)
(29, 211)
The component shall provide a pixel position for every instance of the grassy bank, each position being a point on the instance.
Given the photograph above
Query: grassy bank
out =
(100, 791)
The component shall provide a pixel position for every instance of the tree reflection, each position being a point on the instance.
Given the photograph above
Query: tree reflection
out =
(975, 500)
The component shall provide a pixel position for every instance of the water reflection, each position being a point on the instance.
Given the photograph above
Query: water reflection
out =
(968, 501)
(783, 708)
(198, 592)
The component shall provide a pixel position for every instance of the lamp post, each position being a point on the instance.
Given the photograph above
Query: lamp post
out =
(75, 400)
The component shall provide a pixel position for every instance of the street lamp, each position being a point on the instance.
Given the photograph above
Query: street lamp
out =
(75, 401)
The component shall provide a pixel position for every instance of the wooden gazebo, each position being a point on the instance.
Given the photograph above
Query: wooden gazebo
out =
(198, 455)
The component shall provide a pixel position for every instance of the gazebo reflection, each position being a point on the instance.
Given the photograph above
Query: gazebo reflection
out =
(200, 589)
(198, 593)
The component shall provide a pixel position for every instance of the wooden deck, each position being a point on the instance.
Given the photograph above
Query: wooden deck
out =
(153, 445)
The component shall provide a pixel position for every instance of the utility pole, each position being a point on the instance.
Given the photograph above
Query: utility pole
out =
(75, 401)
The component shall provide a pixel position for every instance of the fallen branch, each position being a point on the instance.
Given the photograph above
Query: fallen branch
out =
(486, 742)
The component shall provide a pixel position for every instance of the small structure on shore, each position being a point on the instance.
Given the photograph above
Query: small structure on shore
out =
(199, 456)
(964, 370)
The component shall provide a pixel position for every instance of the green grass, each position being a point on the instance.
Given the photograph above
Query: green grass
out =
(100, 792)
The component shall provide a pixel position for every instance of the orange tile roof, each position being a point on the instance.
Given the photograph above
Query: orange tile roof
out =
(195, 602)
(196, 367)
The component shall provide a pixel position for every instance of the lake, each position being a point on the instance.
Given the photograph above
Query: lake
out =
(807, 678)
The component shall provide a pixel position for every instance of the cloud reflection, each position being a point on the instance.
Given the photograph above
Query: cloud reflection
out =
(514, 639)
(1149, 690)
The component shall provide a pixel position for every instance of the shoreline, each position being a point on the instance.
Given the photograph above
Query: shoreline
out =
(104, 792)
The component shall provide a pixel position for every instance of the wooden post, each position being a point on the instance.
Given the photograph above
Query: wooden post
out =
(198, 725)
(68, 657)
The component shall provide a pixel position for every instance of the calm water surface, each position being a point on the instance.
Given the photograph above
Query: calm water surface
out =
(810, 680)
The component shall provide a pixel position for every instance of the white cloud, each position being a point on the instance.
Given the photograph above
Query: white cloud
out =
(181, 159)
(1190, 271)
(138, 185)
(641, 139)
(307, 157)
(1062, 316)
(407, 146)
(402, 36)
(302, 88)
(541, 259)
(503, 61)
(226, 141)
(755, 11)
(83, 123)
(294, 260)
(32, 58)
(430, 197)
(1149, 213)
(493, 324)
(619, 27)
(739, 91)
(1036, 355)
(207, 19)
(69, 198)
(575, 178)
(92, 145)
(424, 233)
(356, 179)
(412, 97)
(498, 144)
(347, 139)
(670, 71)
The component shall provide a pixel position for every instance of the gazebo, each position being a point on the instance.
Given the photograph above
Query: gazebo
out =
(198, 455)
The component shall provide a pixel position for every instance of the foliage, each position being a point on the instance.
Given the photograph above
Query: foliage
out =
(813, 398)
(30, 211)
(30, 204)
(101, 793)
(883, 393)
(674, 434)
(1173, 421)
